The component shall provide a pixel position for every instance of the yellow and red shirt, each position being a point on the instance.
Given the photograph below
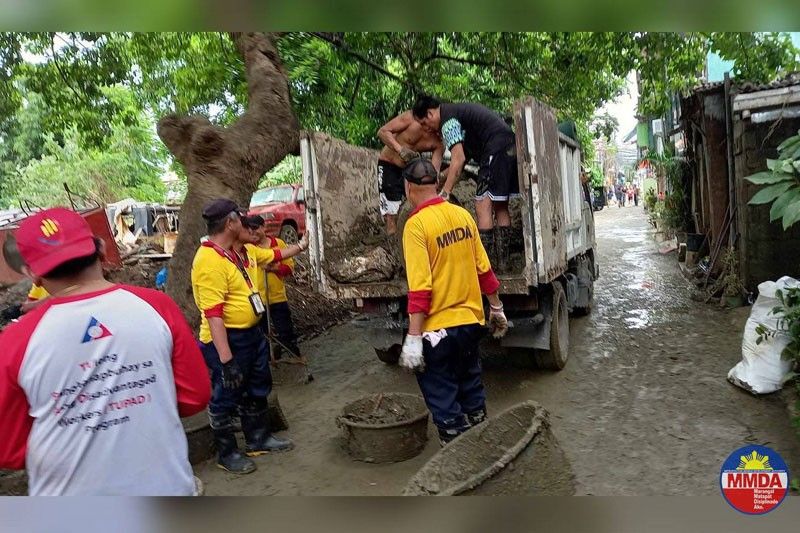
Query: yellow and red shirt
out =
(220, 289)
(447, 266)
(273, 291)
(37, 293)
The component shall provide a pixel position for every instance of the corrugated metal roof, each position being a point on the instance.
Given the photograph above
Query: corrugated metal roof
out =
(749, 86)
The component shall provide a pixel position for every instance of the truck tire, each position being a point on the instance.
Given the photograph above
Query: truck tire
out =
(288, 234)
(556, 357)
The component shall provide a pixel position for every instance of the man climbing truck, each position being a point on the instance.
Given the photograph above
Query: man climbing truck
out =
(472, 131)
(552, 268)
(404, 139)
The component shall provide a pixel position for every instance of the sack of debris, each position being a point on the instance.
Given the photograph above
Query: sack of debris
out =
(372, 266)
(762, 370)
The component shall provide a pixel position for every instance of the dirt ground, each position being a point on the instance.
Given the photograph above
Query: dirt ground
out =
(642, 408)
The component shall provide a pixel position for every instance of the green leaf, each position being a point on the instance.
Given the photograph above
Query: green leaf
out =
(768, 178)
(768, 194)
(787, 166)
(789, 141)
(782, 202)
(773, 164)
(791, 215)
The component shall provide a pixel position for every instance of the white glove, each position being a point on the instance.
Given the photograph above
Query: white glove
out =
(411, 356)
(498, 322)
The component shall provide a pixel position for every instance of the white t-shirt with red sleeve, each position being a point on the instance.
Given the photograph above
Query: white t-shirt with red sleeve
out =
(92, 388)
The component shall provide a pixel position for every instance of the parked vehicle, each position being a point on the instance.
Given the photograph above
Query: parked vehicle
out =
(284, 209)
(556, 269)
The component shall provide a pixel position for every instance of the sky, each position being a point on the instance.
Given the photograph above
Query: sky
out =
(623, 108)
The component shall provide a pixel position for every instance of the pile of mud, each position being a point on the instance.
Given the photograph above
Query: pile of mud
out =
(382, 410)
(369, 255)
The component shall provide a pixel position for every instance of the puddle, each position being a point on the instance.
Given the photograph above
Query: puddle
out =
(640, 318)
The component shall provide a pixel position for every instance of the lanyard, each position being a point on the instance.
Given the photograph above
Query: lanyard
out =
(234, 258)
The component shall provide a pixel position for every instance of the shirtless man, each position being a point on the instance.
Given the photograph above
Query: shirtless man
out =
(404, 139)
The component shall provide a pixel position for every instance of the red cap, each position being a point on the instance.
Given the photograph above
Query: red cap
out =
(52, 237)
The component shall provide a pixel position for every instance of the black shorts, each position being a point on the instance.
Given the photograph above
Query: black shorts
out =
(390, 181)
(497, 176)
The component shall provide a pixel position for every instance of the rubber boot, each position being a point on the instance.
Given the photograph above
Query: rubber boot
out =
(228, 455)
(452, 429)
(478, 417)
(487, 239)
(257, 436)
(503, 245)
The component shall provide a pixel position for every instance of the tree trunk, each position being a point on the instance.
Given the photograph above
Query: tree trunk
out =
(228, 162)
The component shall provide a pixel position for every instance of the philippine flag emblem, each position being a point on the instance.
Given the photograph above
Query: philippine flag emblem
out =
(94, 331)
(754, 479)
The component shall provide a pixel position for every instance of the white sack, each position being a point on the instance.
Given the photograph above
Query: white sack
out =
(761, 369)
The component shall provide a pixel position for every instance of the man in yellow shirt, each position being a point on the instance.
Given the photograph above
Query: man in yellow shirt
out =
(225, 275)
(273, 290)
(36, 296)
(447, 269)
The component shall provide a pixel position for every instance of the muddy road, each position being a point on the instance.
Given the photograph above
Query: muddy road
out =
(642, 407)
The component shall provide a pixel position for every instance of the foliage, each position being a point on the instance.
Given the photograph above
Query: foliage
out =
(595, 174)
(349, 84)
(604, 126)
(288, 171)
(782, 182)
(676, 212)
(124, 169)
(650, 200)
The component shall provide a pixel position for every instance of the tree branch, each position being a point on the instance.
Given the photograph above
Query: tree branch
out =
(338, 43)
(466, 61)
(61, 73)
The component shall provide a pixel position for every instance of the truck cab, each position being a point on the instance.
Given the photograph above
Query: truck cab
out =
(553, 254)
(284, 210)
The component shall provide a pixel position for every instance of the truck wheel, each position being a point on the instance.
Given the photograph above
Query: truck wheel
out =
(288, 234)
(390, 356)
(556, 357)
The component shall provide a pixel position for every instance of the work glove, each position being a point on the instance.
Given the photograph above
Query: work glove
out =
(232, 377)
(407, 154)
(498, 323)
(411, 356)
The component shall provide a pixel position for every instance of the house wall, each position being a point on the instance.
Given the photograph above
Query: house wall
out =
(766, 251)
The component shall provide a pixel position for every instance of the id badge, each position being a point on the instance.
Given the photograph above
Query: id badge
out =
(257, 304)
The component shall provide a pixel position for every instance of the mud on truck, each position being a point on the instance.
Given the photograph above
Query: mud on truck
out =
(552, 257)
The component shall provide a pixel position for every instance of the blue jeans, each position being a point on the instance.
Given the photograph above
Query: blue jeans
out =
(451, 383)
(251, 353)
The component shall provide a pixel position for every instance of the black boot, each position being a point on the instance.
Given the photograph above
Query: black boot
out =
(452, 429)
(255, 426)
(476, 417)
(488, 241)
(228, 455)
(503, 245)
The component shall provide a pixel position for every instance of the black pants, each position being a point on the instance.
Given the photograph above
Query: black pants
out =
(283, 328)
(451, 383)
(251, 353)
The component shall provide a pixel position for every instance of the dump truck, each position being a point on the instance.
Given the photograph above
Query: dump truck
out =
(554, 266)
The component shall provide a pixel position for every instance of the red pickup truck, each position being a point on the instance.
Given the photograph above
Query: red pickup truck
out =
(284, 209)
